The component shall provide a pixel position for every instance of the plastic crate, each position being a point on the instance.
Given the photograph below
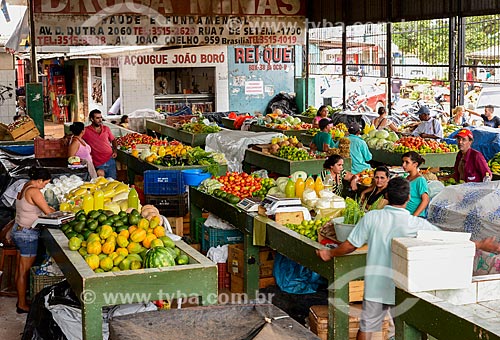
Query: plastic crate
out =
(223, 276)
(39, 282)
(213, 237)
(197, 232)
(51, 148)
(171, 205)
(163, 182)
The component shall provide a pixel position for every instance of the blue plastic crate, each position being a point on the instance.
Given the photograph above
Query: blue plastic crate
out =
(213, 237)
(163, 182)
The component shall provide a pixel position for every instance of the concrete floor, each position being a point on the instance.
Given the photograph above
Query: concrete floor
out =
(12, 324)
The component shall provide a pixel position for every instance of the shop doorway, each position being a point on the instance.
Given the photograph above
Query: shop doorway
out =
(115, 84)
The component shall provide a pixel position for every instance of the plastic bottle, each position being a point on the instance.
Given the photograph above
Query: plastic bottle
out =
(98, 199)
(487, 177)
(300, 185)
(133, 198)
(318, 185)
(310, 183)
(88, 202)
(290, 188)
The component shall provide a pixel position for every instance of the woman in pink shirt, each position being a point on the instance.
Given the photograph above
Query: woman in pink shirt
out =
(30, 204)
(79, 148)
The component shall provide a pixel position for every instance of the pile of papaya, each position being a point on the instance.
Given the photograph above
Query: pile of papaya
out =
(123, 241)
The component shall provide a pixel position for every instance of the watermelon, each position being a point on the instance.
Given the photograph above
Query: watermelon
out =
(159, 257)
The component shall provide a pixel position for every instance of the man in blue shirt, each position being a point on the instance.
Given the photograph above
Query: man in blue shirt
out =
(360, 154)
(377, 229)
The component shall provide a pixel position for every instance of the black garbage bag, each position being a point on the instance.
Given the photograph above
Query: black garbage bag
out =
(285, 102)
(39, 324)
(347, 119)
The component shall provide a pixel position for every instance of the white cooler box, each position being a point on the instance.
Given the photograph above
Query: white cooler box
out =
(433, 260)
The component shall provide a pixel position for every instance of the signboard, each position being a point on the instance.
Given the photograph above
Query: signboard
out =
(254, 87)
(170, 23)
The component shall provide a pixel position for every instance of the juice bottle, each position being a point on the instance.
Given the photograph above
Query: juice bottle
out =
(310, 183)
(290, 188)
(133, 198)
(318, 185)
(98, 199)
(300, 185)
(88, 202)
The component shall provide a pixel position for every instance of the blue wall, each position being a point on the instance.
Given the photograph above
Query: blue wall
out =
(271, 66)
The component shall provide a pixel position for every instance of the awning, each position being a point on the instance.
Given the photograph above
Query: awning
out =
(491, 53)
(17, 30)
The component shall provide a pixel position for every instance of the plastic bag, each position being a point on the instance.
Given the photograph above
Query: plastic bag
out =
(293, 278)
(218, 254)
(285, 102)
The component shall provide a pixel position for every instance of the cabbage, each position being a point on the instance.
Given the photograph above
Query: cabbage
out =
(296, 121)
(393, 136)
(372, 133)
(380, 144)
(382, 134)
(372, 142)
(273, 191)
(365, 136)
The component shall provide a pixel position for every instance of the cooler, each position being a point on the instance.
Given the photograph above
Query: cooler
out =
(434, 260)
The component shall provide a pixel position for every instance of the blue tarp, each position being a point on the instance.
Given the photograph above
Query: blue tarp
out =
(293, 278)
(486, 140)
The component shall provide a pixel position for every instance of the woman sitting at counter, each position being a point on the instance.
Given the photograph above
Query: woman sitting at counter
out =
(321, 114)
(375, 195)
(78, 147)
(333, 175)
(382, 122)
(322, 141)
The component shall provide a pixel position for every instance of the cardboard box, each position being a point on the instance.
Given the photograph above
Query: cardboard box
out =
(237, 283)
(318, 322)
(236, 260)
(356, 291)
(433, 260)
(283, 218)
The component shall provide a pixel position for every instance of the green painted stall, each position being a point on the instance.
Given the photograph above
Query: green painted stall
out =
(159, 127)
(432, 160)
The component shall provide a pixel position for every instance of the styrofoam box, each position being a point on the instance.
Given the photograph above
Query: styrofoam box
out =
(433, 260)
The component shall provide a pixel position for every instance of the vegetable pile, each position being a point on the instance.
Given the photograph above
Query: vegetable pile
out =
(131, 139)
(309, 228)
(422, 146)
(353, 211)
(18, 123)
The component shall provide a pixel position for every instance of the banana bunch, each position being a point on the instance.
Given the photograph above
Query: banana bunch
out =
(494, 164)
(368, 128)
(310, 112)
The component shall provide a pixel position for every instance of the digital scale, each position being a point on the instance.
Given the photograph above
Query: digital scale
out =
(53, 220)
(274, 205)
(249, 204)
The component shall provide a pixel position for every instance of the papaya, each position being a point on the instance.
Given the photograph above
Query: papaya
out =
(122, 251)
(122, 241)
(138, 235)
(94, 247)
(167, 241)
(98, 270)
(106, 264)
(74, 243)
(106, 231)
(115, 269)
(125, 264)
(143, 223)
(93, 261)
(134, 257)
(147, 241)
(157, 243)
(135, 265)
(159, 231)
(134, 248)
(183, 259)
(154, 221)
(118, 259)
(108, 247)
(83, 251)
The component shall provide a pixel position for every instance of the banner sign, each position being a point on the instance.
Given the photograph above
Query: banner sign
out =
(170, 23)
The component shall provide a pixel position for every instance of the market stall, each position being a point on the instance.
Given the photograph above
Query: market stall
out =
(444, 160)
(290, 133)
(159, 128)
(305, 119)
(443, 320)
(287, 242)
(284, 166)
(198, 278)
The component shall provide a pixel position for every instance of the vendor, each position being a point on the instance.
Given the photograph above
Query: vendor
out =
(419, 191)
(333, 175)
(382, 122)
(321, 114)
(429, 127)
(375, 195)
(78, 147)
(322, 141)
(488, 118)
(470, 164)
(359, 152)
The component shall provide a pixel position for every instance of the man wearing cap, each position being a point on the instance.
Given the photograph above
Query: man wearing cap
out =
(488, 118)
(470, 165)
(322, 141)
(360, 154)
(429, 127)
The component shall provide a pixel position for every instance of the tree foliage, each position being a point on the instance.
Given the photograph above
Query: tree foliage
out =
(429, 39)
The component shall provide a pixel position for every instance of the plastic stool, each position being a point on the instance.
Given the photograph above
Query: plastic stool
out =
(11, 256)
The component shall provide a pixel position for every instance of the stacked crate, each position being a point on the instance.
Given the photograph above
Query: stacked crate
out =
(165, 190)
(236, 262)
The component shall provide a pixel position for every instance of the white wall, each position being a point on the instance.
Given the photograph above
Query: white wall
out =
(7, 88)
(137, 80)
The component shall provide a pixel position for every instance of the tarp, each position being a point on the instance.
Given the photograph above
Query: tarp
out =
(12, 33)
(486, 140)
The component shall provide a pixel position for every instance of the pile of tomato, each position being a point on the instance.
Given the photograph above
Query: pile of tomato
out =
(240, 184)
(132, 139)
(421, 145)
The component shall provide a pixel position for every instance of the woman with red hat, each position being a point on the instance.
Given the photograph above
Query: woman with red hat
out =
(470, 165)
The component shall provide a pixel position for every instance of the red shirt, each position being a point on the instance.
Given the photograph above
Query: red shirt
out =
(475, 166)
(100, 144)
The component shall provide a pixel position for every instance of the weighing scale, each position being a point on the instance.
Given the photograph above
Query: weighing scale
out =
(249, 204)
(274, 205)
(53, 220)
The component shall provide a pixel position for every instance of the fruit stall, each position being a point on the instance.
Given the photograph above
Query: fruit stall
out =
(305, 119)
(198, 278)
(290, 132)
(191, 133)
(289, 243)
(228, 123)
(285, 166)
